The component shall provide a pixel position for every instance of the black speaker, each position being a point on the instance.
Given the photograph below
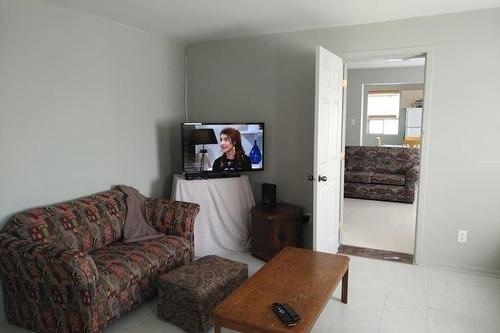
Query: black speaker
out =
(268, 194)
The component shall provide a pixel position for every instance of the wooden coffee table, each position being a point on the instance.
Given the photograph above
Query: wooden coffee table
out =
(303, 278)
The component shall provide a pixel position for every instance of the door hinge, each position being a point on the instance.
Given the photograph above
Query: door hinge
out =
(344, 83)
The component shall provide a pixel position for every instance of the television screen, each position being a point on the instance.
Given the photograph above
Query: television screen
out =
(208, 147)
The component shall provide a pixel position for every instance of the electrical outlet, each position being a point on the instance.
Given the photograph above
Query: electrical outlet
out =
(462, 236)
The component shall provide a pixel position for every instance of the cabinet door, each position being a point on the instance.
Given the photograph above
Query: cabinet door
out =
(260, 237)
(284, 233)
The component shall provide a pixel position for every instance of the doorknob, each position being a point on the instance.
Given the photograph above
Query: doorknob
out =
(311, 178)
(322, 179)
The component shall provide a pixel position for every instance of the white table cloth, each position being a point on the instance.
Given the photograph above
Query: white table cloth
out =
(222, 225)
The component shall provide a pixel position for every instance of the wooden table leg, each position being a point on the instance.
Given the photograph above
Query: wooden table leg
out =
(345, 283)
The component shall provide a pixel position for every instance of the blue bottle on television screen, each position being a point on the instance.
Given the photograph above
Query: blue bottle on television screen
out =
(255, 154)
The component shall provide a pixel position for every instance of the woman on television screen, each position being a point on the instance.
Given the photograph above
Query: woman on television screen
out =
(233, 155)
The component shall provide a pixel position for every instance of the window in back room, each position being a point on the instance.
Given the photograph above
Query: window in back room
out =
(383, 112)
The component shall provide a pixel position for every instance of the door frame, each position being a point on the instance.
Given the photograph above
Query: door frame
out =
(428, 51)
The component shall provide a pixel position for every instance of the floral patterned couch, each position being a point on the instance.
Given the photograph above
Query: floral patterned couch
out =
(64, 267)
(381, 173)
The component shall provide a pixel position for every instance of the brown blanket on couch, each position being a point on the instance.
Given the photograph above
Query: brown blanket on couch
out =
(136, 226)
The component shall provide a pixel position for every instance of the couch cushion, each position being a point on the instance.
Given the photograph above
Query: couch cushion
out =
(379, 192)
(388, 179)
(395, 160)
(83, 224)
(122, 266)
(358, 177)
(358, 158)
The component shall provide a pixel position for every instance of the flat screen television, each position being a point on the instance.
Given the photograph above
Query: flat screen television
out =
(222, 148)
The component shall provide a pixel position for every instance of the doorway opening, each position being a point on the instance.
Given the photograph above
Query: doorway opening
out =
(383, 129)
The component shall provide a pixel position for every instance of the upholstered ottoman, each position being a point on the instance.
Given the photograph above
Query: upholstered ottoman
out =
(188, 294)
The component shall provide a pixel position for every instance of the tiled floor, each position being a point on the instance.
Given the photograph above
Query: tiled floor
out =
(379, 225)
(383, 297)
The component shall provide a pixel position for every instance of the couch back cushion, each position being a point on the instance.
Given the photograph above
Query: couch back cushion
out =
(361, 159)
(83, 224)
(396, 160)
(385, 160)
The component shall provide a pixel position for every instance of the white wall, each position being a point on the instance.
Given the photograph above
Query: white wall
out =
(356, 78)
(84, 104)
(271, 79)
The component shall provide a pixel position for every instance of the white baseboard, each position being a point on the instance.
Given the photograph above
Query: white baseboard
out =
(462, 269)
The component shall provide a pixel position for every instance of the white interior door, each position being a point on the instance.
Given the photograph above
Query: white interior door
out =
(327, 151)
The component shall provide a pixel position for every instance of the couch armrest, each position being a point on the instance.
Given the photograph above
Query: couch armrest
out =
(45, 263)
(412, 175)
(173, 218)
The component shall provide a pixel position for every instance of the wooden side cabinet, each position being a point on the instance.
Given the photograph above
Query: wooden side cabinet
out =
(274, 228)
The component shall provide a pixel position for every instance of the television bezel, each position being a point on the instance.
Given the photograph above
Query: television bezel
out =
(225, 123)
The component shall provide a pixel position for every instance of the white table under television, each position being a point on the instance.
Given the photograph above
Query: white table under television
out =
(223, 223)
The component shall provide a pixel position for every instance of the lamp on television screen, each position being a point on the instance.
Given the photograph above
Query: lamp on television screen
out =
(202, 136)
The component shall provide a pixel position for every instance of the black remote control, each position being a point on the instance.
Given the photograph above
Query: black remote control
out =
(281, 313)
(295, 316)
